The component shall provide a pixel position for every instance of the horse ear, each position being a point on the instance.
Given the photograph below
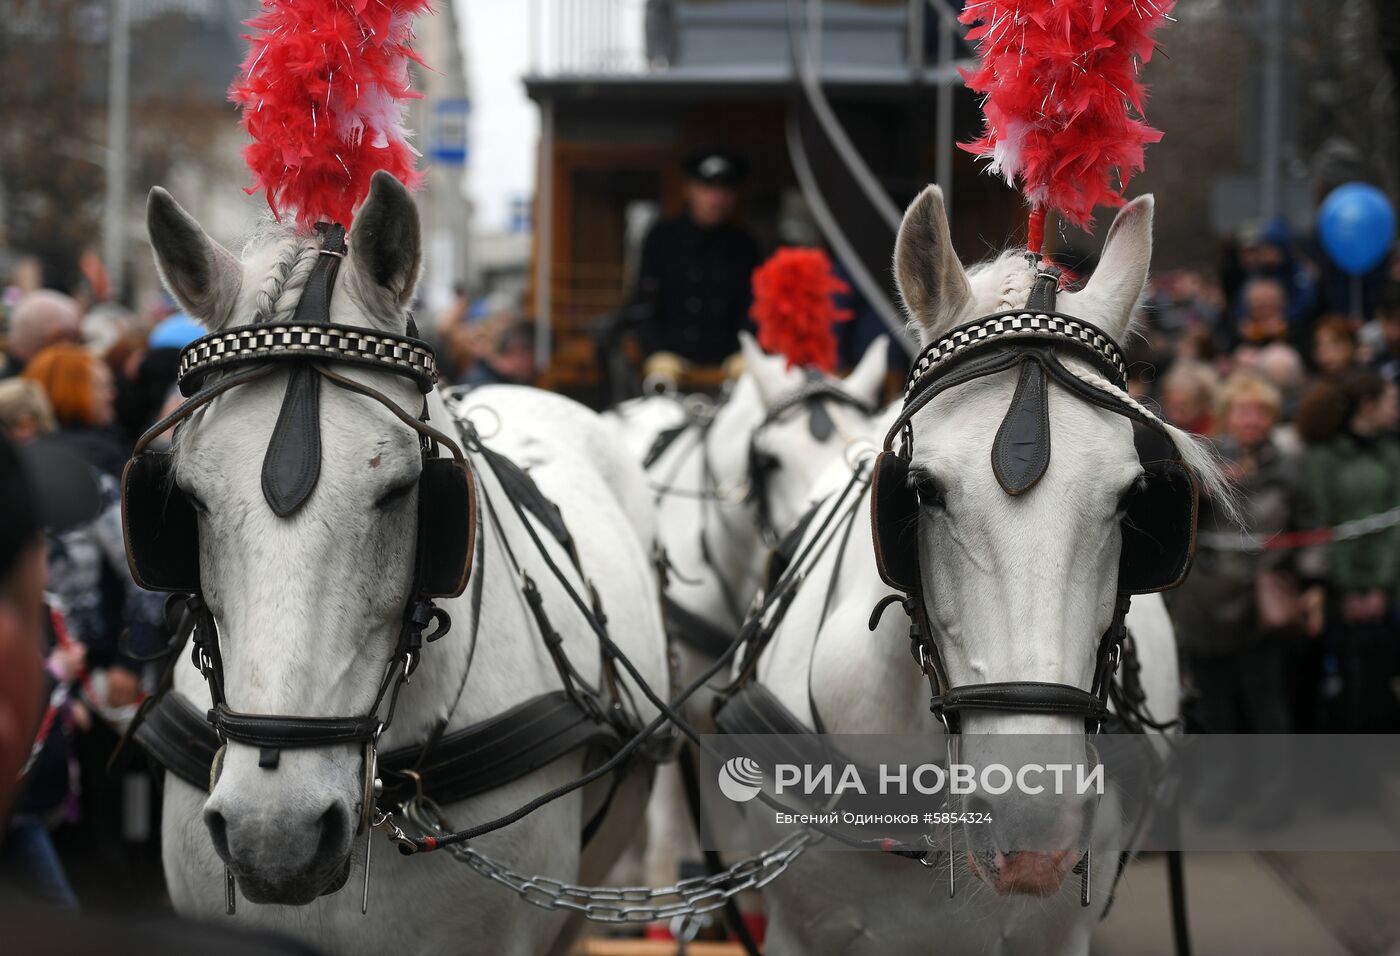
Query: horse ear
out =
(1113, 290)
(931, 280)
(867, 380)
(202, 275)
(769, 372)
(386, 243)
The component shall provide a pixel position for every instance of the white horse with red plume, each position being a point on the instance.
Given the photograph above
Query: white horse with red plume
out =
(1012, 561)
(299, 488)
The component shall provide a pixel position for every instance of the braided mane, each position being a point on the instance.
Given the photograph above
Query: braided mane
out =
(276, 299)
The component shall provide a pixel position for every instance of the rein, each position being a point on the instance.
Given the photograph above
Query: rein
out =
(754, 492)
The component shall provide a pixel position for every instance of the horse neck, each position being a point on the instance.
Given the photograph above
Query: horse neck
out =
(825, 654)
(489, 660)
(696, 524)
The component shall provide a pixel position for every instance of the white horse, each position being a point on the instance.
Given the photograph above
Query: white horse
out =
(1021, 588)
(308, 608)
(716, 517)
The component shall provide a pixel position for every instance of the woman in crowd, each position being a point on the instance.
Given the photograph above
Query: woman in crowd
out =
(1334, 346)
(1354, 468)
(1188, 392)
(1242, 610)
(79, 387)
(90, 586)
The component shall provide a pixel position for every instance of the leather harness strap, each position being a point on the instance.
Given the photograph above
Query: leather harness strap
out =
(458, 765)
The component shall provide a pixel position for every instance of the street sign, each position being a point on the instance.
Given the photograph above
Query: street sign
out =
(449, 132)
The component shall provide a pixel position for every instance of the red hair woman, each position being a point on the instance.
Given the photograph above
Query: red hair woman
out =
(79, 387)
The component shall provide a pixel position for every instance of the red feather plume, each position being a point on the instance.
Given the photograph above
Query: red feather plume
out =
(793, 307)
(322, 92)
(1062, 97)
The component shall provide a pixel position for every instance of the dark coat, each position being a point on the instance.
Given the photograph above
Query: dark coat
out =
(1214, 609)
(694, 289)
(1352, 478)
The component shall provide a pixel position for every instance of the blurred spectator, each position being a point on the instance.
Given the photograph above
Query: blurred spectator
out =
(1354, 467)
(1197, 345)
(25, 411)
(25, 506)
(141, 396)
(1188, 396)
(29, 863)
(693, 292)
(1269, 253)
(1280, 364)
(1185, 301)
(500, 350)
(1238, 611)
(40, 319)
(1334, 346)
(79, 387)
(1385, 353)
(1265, 314)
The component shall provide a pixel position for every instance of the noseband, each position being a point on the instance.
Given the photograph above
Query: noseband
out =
(1158, 528)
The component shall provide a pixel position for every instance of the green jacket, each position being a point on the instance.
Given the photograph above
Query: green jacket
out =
(1353, 478)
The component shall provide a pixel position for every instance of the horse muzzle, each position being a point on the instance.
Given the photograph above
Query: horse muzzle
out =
(286, 841)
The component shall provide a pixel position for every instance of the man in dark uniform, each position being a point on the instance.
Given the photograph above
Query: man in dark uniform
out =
(693, 287)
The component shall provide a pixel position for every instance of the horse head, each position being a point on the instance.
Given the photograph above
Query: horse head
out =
(800, 420)
(1019, 564)
(306, 567)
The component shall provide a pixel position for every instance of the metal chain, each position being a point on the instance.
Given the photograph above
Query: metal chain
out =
(616, 904)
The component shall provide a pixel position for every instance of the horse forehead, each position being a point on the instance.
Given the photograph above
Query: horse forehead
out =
(1090, 447)
(232, 437)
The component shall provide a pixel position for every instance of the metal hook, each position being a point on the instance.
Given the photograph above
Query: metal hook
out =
(952, 886)
(364, 895)
(373, 788)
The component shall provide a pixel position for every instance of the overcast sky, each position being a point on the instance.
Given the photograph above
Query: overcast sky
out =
(505, 124)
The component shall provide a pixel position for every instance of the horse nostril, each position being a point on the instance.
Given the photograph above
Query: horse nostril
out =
(335, 831)
(218, 832)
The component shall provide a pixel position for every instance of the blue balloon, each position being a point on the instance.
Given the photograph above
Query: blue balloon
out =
(1357, 225)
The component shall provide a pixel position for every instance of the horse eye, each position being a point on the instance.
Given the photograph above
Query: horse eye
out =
(762, 462)
(930, 493)
(395, 495)
(1139, 484)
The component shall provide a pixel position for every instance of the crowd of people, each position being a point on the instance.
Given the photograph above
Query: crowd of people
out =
(1288, 622)
(78, 386)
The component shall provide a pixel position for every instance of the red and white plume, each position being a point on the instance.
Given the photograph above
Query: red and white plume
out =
(322, 92)
(794, 309)
(1062, 98)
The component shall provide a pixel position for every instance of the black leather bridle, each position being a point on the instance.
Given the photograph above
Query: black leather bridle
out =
(682, 623)
(1027, 339)
(813, 396)
(217, 363)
